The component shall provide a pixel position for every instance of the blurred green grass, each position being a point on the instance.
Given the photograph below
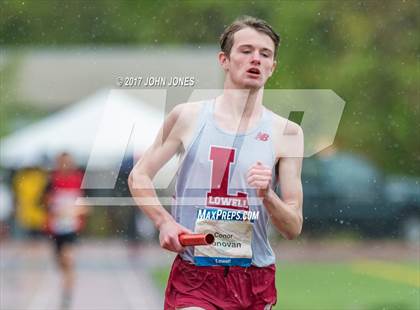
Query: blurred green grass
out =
(312, 286)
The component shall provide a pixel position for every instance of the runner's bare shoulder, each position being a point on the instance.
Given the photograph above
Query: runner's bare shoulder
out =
(188, 116)
(287, 137)
(171, 137)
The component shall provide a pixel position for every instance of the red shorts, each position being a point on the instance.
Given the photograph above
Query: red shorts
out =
(214, 288)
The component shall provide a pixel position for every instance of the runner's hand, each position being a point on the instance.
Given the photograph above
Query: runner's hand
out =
(169, 236)
(259, 176)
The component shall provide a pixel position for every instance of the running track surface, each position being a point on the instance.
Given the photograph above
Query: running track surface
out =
(109, 275)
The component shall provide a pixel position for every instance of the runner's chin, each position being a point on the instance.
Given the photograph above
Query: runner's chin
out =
(253, 82)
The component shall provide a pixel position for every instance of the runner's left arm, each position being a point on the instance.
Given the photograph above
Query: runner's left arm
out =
(285, 212)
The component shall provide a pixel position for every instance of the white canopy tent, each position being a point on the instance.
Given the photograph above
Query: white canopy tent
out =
(96, 130)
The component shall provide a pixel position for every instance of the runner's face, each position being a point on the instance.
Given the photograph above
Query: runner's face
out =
(251, 60)
(65, 162)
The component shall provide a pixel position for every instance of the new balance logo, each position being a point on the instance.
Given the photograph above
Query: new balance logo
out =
(262, 136)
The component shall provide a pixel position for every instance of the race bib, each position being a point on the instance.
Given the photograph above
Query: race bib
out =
(232, 230)
(227, 216)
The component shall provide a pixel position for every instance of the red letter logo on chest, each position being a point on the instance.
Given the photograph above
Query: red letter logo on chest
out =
(218, 196)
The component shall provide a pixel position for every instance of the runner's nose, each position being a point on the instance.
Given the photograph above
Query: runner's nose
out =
(256, 60)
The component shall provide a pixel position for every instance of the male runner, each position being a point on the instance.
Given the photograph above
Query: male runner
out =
(65, 218)
(230, 146)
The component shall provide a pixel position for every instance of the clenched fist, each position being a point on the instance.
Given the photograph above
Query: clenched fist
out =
(259, 176)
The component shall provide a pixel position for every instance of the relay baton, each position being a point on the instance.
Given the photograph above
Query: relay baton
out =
(196, 239)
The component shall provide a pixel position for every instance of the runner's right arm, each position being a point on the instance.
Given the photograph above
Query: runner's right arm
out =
(167, 144)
